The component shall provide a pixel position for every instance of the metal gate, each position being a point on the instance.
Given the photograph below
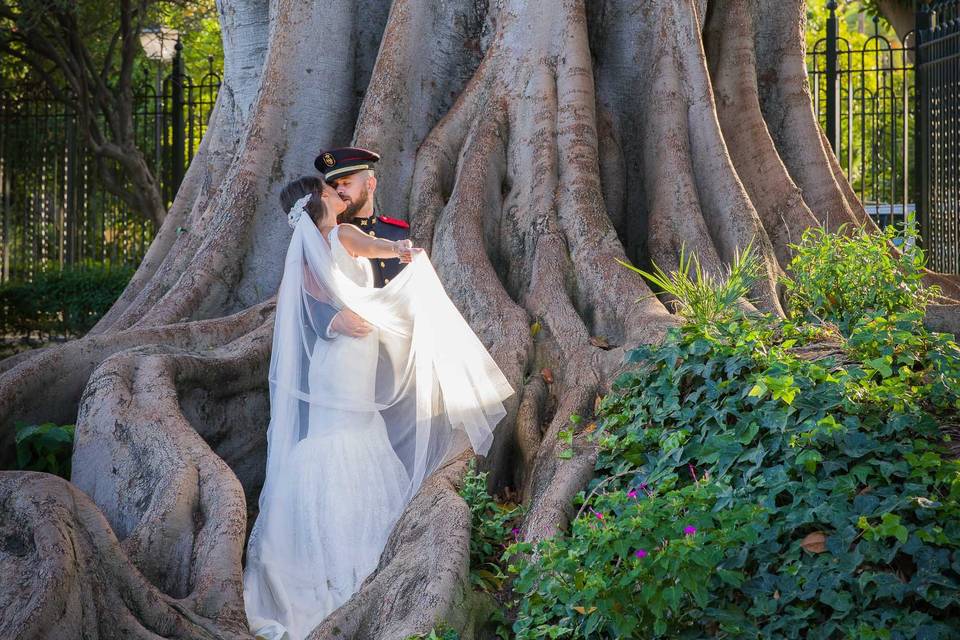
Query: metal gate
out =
(863, 95)
(938, 132)
(54, 209)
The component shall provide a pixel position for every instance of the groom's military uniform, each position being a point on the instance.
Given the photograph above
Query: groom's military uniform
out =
(341, 162)
(384, 269)
(344, 161)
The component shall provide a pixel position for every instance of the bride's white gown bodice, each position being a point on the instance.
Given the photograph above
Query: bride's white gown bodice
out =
(311, 548)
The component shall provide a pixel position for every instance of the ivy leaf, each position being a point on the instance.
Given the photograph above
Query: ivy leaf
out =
(809, 459)
(881, 365)
(890, 527)
(535, 329)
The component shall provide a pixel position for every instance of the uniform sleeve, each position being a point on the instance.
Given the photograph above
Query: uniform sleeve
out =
(322, 314)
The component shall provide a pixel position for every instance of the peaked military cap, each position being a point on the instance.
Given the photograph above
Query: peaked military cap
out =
(344, 161)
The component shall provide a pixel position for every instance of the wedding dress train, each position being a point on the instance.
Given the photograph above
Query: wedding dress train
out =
(343, 493)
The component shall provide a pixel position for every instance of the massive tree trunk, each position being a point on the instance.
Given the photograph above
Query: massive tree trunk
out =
(531, 144)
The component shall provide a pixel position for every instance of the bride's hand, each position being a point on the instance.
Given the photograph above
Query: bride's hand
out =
(405, 250)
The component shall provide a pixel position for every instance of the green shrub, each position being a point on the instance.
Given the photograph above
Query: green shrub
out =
(841, 277)
(45, 447)
(62, 302)
(762, 478)
(440, 632)
(491, 532)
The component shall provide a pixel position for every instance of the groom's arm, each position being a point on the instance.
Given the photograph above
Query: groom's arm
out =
(322, 314)
(331, 322)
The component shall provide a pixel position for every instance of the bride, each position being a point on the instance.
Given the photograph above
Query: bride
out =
(356, 424)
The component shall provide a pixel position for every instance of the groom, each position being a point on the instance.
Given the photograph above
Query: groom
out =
(350, 171)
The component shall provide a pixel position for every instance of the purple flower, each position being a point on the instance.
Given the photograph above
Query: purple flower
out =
(632, 493)
(689, 530)
(515, 531)
(640, 553)
(643, 485)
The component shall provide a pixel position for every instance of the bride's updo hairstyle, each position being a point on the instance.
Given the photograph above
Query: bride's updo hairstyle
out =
(300, 187)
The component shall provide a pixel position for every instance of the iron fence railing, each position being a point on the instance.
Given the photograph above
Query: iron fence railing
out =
(938, 133)
(864, 98)
(54, 209)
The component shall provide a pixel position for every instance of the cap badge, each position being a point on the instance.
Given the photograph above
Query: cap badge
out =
(329, 160)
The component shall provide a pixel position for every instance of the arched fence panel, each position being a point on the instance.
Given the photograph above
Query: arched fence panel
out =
(54, 209)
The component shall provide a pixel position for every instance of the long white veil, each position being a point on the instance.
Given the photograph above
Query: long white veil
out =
(433, 373)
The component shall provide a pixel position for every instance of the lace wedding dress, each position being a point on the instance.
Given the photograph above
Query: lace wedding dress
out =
(313, 543)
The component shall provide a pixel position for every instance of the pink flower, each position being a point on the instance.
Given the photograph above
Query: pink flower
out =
(640, 553)
(598, 514)
(632, 493)
(689, 530)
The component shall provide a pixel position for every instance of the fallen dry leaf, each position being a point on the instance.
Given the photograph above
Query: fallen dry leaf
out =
(815, 542)
(600, 342)
(547, 375)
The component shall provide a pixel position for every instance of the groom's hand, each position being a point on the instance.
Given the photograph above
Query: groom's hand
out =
(348, 323)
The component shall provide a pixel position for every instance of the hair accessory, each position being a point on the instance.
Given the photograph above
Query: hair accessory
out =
(297, 210)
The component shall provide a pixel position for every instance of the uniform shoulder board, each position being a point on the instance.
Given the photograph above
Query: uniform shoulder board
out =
(395, 222)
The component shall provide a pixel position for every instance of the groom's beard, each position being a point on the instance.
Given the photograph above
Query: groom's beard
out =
(353, 208)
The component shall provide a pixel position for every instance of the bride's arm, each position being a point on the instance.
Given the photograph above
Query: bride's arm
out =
(360, 244)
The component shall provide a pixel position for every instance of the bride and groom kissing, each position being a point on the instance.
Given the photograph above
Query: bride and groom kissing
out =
(372, 370)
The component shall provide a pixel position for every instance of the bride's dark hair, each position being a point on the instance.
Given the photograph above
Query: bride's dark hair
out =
(300, 187)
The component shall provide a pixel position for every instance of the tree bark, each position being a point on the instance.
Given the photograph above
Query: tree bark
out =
(531, 144)
(900, 15)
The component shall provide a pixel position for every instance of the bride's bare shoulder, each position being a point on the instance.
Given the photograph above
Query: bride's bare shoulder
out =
(349, 236)
(348, 229)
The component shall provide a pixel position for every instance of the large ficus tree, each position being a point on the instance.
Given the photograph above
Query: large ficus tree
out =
(531, 144)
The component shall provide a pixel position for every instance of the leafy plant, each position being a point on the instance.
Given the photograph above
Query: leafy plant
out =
(767, 478)
(842, 277)
(44, 447)
(439, 632)
(702, 297)
(491, 530)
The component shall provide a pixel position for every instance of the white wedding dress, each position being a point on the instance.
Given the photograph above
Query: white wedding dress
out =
(344, 490)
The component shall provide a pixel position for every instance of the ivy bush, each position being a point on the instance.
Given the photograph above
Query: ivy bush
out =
(492, 530)
(769, 478)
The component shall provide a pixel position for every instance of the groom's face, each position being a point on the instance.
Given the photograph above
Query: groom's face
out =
(355, 189)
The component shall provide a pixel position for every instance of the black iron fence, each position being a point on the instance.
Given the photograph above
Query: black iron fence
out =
(54, 210)
(938, 131)
(864, 96)
(891, 112)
